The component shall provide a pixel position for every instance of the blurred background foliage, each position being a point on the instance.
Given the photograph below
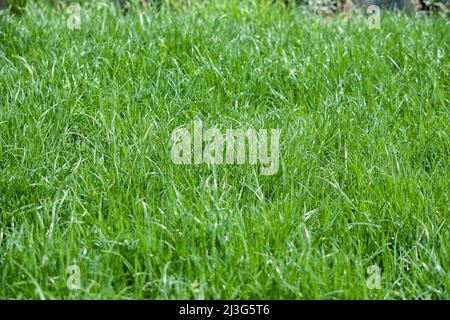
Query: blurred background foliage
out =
(327, 7)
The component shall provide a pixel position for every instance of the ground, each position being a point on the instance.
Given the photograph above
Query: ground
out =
(87, 184)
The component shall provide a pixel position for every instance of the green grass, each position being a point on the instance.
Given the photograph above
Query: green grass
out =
(86, 177)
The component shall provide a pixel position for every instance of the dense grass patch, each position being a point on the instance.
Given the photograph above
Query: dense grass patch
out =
(86, 176)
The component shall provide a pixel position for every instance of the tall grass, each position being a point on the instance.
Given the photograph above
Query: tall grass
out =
(86, 177)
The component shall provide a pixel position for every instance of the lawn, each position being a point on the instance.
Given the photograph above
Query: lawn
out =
(87, 183)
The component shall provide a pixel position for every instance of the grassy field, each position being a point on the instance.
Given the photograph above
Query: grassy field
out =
(87, 182)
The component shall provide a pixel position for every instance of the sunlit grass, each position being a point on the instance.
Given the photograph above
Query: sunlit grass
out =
(86, 177)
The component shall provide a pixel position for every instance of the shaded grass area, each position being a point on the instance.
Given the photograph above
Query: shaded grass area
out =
(86, 176)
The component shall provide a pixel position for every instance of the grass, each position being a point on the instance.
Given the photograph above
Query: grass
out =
(86, 177)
